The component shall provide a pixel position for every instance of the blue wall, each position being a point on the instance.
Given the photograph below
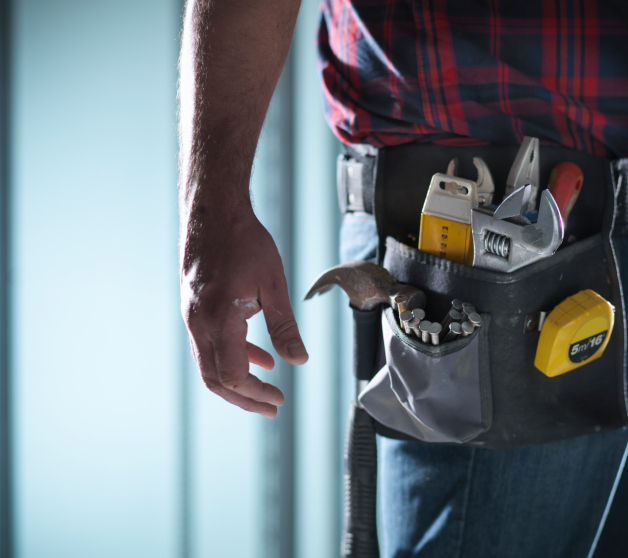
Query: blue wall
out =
(96, 325)
(119, 450)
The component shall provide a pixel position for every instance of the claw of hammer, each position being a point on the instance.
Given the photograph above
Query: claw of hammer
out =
(367, 285)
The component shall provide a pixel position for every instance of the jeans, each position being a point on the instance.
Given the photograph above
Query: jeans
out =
(442, 501)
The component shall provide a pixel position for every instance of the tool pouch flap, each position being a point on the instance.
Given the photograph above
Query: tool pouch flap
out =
(527, 406)
(432, 393)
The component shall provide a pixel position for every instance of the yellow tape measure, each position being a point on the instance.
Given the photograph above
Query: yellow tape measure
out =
(575, 333)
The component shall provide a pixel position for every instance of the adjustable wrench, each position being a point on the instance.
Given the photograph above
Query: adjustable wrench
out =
(506, 240)
(525, 170)
(484, 182)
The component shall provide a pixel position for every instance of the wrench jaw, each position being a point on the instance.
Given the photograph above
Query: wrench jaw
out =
(515, 205)
(485, 184)
(550, 221)
(504, 245)
(485, 187)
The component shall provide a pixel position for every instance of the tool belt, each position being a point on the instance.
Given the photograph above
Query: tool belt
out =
(484, 390)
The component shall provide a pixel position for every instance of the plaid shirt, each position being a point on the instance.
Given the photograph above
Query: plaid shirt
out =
(465, 72)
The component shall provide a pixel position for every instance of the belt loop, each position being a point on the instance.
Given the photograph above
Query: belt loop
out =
(355, 176)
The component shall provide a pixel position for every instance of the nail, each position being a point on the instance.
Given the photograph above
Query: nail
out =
(423, 328)
(296, 350)
(405, 318)
(467, 328)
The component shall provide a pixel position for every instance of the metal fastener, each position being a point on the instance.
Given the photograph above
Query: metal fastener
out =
(467, 328)
(419, 314)
(452, 316)
(401, 302)
(405, 318)
(414, 326)
(435, 329)
(475, 319)
(467, 309)
(455, 329)
(424, 327)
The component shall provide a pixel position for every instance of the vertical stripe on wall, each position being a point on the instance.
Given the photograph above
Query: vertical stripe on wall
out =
(5, 407)
(273, 200)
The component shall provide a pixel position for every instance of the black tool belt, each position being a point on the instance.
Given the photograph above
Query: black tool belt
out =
(484, 390)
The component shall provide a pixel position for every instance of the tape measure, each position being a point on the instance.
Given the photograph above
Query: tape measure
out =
(575, 333)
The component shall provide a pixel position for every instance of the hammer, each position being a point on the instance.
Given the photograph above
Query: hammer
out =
(368, 286)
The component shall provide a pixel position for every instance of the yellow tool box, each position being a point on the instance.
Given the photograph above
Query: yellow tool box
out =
(446, 218)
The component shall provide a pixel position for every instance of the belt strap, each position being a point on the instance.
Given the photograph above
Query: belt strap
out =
(358, 169)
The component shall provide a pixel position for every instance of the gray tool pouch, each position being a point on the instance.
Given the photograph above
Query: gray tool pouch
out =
(432, 393)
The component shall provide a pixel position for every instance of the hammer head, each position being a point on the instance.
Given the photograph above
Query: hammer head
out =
(367, 285)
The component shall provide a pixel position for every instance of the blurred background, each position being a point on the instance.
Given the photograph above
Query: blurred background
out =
(110, 446)
(109, 443)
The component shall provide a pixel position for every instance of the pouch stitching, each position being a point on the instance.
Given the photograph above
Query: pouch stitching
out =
(484, 364)
(616, 186)
(486, 275)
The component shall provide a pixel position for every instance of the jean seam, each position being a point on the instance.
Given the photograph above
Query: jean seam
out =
(465, 503)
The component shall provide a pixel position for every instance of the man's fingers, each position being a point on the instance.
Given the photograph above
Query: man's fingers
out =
(248, 388)
(281, 324)
(229, 353)
(265, 409)
(259, 356)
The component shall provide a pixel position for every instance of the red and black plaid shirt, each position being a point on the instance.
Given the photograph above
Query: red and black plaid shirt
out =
(461, 71)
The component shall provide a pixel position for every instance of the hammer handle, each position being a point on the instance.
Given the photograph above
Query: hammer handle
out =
(359, 537)
(365, 342)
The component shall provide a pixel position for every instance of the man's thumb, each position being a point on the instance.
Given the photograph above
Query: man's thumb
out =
(281, 324)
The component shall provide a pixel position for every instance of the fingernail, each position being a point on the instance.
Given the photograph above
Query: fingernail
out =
(268, 415)
(297, 350)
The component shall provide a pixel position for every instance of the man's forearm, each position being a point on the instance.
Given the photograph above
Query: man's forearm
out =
(231, 58)
(232, 55)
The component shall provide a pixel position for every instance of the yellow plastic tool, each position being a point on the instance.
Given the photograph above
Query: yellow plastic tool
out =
(575, 333)
(446, 218)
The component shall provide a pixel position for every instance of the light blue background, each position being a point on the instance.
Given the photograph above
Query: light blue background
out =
(118, 448)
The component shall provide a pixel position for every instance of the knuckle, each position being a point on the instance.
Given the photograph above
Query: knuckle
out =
(213, 386)
(193, 320)
(229, 380)
(278, 281)
(248, 406)
(284, 328)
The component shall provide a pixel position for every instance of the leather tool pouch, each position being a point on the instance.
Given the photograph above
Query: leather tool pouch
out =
(484, 390)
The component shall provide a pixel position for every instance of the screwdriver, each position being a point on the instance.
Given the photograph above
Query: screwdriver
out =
(565, 184)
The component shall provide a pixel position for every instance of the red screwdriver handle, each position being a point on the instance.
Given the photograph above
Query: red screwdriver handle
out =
(565, 185)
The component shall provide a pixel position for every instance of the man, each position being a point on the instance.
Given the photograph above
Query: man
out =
(394, 72)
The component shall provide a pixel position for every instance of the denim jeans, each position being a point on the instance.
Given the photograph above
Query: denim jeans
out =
(444, 501)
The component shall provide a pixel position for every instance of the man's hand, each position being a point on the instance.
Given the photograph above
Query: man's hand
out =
(232, 53)
(232, 270)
